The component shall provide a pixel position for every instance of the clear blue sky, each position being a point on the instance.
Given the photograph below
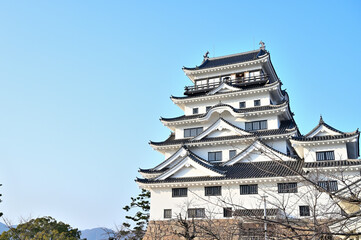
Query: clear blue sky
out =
(83, 84)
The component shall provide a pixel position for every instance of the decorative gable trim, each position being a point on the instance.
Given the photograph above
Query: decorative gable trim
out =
(181, 153)
(323, 127)
(223, 86)
(189, 161)
(264, 149)
(219, 125)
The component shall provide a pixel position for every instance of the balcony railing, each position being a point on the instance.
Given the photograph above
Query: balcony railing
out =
(237, 82)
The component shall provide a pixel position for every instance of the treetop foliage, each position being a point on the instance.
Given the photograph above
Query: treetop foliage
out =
(45, 228)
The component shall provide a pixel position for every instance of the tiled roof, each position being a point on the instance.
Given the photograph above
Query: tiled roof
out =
(323, 138)
(244, 170)
(332, 163)
(265, 169)
(228, 60)
(220, 93)
(236, 110)
(285, 127)
(321, 122)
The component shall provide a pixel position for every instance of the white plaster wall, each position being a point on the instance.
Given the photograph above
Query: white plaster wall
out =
(233, 101)
(280, 145)
(340, 151)
(203, 152)
(272, 122)
(161, 198)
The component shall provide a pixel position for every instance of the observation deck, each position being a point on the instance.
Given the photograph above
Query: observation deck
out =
(235, 82)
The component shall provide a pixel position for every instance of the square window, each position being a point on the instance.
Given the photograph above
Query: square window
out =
(232, 153)
(213, 191)
(257, 103)
(167, 213)
(195, 110)
(304, 211)
(227, 212)
(179, 192)
(242, 104)
(207, 108)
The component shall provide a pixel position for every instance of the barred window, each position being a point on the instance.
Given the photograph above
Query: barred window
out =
(179, 192)
(287, 187)
(227, 212)
(215, 156)
(167, 213)
(330, 186)
(192, 132)
(213, 191)
(256, 125)
(304, 211)
(248, 189)
(196, 213)
(326, 155)
(232, 153)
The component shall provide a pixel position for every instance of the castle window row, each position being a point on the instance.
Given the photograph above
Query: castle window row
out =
(242, 104)
(330, 186)
(304, 211)
(249, 126)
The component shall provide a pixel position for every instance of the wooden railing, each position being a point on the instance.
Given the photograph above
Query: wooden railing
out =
(238, 82)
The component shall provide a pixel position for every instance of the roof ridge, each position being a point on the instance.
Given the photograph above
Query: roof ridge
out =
(234, 54)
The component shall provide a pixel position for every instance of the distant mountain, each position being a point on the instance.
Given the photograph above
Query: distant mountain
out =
(95, 234)
(3, 228)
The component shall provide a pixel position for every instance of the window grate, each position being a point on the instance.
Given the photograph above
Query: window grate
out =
(196, 213)
(167, 213)
(215, 156)
(248, 189)
(304, 211)
(330, 186)
(326, 155)
(287, 187)
(213, 191)
(179, 192)
(192, 132)
(256, 125)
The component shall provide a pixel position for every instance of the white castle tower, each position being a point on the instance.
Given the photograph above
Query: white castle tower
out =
(238, 142)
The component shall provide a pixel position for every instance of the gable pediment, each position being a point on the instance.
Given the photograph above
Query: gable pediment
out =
(258, 152)
(221, 128)
(174, 159)
(223, 88)
(323, 130)
(189, 167)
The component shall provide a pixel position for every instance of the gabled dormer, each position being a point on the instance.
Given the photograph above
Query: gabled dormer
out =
(325, 143)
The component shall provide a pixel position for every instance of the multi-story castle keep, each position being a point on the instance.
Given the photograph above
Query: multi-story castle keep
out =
(238, 142)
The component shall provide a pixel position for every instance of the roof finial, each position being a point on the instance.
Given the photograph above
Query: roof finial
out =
(205, 56)
(262, 47)
(321, 119)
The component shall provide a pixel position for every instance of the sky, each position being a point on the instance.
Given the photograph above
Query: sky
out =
(83, 84)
